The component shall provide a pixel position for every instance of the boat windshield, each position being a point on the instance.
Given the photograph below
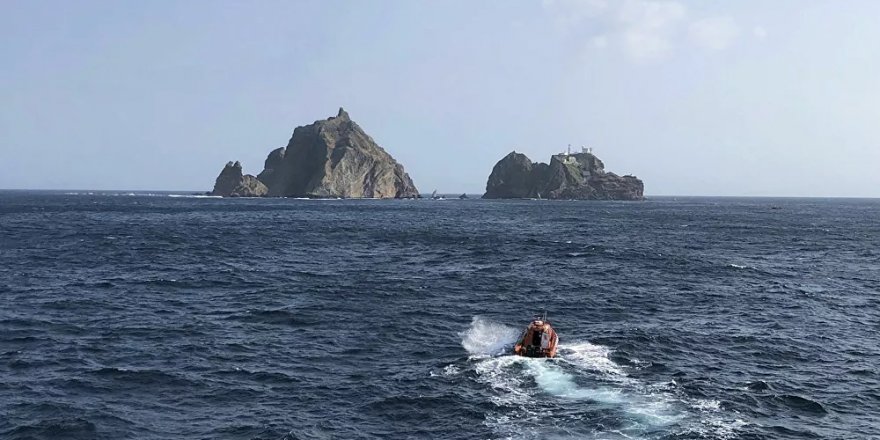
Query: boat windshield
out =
(536, 338)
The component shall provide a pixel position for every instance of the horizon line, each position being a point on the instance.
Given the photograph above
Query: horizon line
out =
(647, 196)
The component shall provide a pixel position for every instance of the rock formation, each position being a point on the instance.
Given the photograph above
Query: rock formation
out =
(330, 158)
(232, 183)
(579, 176)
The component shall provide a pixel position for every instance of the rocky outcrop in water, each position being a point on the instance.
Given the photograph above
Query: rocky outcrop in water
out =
(580, 176)
(332, 158)
(232, 183)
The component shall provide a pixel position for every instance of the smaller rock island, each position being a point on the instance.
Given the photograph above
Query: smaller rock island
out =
(233, 183)
(572, 176)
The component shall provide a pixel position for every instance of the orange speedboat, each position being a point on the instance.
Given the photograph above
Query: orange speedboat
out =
(538, 340)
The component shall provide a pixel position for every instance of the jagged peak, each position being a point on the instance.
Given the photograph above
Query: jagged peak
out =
(310, 164)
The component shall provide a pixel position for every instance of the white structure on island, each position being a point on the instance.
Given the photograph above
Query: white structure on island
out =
(584, 149)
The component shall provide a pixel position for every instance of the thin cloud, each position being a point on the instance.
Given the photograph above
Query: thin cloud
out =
(647, 27)
(759, 32)
(572, 13)
(643, 30)
(651, 15)
(714, 33)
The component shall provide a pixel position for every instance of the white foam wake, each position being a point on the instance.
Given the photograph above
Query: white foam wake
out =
(592, 357)
(528, 392)
(553, 380)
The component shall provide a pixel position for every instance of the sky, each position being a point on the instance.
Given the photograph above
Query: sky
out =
(745, 98)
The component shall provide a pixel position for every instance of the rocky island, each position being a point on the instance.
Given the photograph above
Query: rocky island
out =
(577, 176)
(327, 159)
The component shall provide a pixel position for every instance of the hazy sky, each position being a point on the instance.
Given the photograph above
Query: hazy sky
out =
(696, 98)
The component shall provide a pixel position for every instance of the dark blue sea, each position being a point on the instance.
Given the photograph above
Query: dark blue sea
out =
(161, 316)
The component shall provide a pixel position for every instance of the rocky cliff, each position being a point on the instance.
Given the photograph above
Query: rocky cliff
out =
(579, 176)
(232, 183)
(332, 158)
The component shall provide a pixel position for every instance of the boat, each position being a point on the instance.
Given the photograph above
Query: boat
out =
(538, 340)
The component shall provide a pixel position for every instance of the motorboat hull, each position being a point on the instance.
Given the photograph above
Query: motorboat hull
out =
(538, 340)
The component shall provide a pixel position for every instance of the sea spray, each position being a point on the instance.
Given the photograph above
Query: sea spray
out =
(522, 385)
(487, 338)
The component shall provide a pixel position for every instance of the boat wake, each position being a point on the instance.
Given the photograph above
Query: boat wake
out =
(580, 394)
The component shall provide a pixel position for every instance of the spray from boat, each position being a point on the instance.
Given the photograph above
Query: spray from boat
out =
(527, 392)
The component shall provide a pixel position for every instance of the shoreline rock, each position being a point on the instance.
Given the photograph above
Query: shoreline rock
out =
(232, 183)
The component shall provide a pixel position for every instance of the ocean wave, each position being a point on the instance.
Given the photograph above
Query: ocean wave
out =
(140, 377)
(67, 428)
(271, 377)
(194, 196)
(802, 404)
(326, 307)
(284, 317)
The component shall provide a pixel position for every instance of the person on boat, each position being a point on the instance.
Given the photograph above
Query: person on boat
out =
(545, 339)
(537, 340)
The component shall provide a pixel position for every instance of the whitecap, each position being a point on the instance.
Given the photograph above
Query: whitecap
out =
(194, 196)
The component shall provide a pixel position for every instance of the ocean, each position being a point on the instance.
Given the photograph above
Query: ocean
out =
(165, 316)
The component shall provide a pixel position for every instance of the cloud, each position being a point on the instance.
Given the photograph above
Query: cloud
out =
(714, 33)
(643, 30)
(759, 32)
(572, 13)
(647, 27)
(651, 15)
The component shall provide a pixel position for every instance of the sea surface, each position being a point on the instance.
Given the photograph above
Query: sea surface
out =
(166, 316)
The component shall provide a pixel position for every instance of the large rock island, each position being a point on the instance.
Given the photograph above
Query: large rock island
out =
(579, 176)
(330, 158)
